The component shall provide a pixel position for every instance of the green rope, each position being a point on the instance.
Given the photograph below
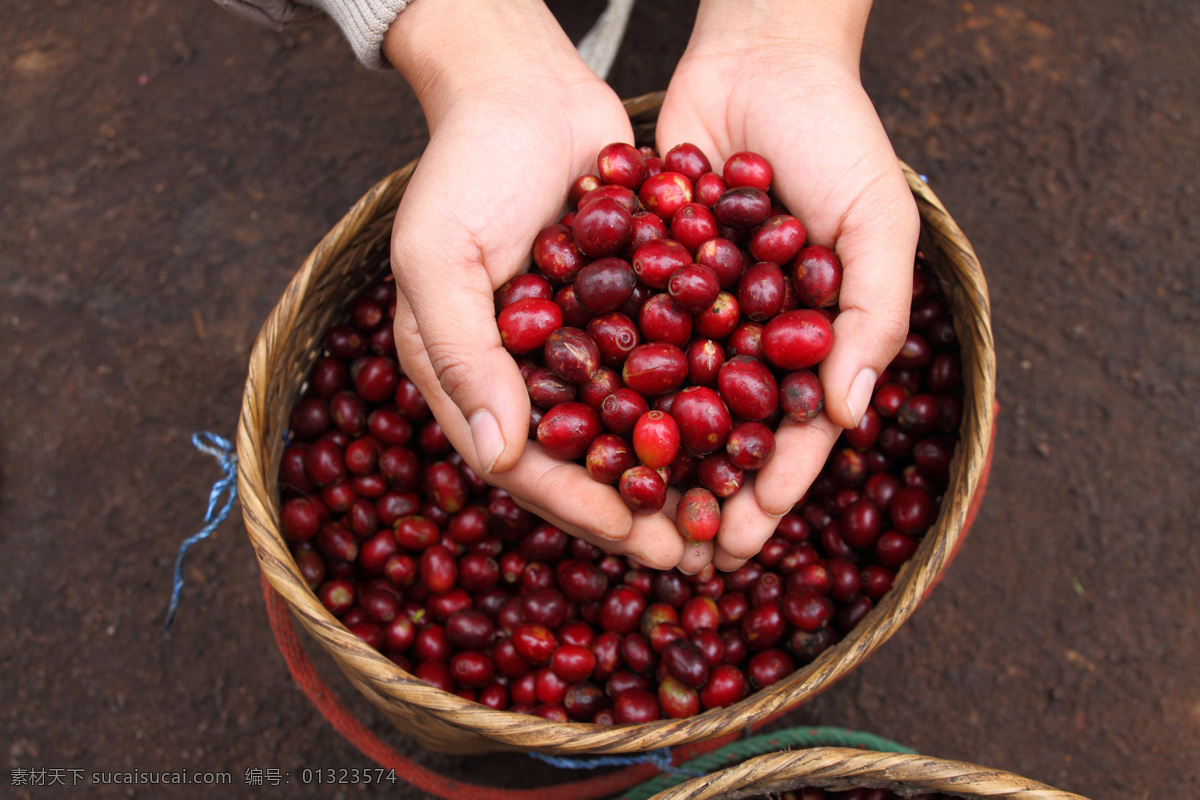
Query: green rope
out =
(787, 739)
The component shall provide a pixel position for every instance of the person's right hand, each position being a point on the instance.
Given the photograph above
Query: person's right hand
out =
(780, 78)
(514, 117)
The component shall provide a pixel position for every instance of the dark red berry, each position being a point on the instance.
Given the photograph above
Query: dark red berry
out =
(567, 430)
(621, 610)
(709, 187)
(750, 445)
(601, 227)
(797, 339)
(656, 439)
(704, 421)
(661, 320)
(654, 369)
(760, 291)
(621, 164)
(687, 159)
(608, 456)
(698, 515)
(694, 288)
(615, 335)
(642, 489)
(556, 255)
(777, 240)
(742, 208)
(665, 194)
(526, 324)
(635, 705)
(912, 510)
(748, 387)
(693, 225)
(747, 169)
(817, 277)
(768, 667)
(656, 261)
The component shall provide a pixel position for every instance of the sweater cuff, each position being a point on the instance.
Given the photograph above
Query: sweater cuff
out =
(364, 24)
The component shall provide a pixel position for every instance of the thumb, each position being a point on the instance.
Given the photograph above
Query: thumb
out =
(456, 334)
(874, 305)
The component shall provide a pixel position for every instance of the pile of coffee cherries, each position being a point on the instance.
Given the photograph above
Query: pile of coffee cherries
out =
(454, 582)
(671, 323)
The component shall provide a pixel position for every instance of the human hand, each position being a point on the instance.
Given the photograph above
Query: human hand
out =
(780, 78)
(514, 117)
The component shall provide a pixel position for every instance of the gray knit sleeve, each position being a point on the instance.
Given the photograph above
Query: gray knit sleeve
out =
(363, 22)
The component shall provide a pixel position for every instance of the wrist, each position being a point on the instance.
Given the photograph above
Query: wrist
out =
(827, 29)
(445, 48)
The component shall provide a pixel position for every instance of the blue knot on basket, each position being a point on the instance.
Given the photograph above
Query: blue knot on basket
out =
(226, 455)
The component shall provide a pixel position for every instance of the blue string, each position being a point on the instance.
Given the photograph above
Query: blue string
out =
(226, 455)
(660, 758)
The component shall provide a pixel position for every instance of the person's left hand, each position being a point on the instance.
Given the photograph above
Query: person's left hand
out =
(515, 116)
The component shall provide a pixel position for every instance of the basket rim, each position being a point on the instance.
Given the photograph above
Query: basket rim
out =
(844, 768)
(258, 491)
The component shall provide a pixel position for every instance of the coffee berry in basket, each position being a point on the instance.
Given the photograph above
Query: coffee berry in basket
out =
(671, 323)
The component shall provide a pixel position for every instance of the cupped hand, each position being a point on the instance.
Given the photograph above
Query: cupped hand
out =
(786, 85)
(506, 140)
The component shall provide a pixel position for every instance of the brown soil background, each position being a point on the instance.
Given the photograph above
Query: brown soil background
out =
(164, 167)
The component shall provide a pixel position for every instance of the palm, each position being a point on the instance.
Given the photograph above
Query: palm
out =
(493, 176)
(835, 170)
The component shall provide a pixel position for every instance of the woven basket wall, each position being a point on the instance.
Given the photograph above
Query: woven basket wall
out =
(348, 259)
(838, 768)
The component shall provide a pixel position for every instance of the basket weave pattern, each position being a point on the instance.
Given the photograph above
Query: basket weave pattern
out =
(346, 261)
(840, 768)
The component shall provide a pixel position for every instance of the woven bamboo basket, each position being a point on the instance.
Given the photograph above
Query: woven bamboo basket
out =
(838, 768)
(348, 259)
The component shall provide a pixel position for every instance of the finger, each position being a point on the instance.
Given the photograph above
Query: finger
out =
(655, 542)
(744, 528)
(877, 261)
(562, 524)
(415, 362)
(696, 556)
(801, 449)
(727, 563)
(566, 492)
(683, 120)
(652, 540)
(750, 517)
(560, 490)
(457, 331)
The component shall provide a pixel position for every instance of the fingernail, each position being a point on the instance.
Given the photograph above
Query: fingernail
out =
(860, 394)
(486, 436)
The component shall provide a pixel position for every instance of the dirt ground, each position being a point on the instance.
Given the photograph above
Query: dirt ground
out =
(164, 168)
